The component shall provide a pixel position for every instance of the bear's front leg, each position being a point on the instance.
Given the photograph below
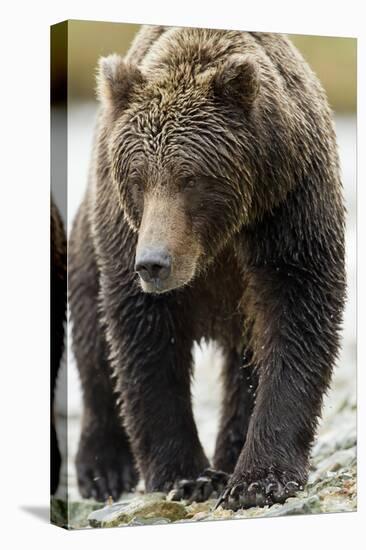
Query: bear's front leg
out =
(151, 339)
(104, 462)
(295, 339)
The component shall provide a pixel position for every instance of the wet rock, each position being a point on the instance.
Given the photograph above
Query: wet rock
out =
(296, 506)
(79, 512)
(197, 508)
(198, 512)
(146, 509)
(334, 462)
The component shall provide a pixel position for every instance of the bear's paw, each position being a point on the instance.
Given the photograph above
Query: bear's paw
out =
(266, 490)
(208, 485)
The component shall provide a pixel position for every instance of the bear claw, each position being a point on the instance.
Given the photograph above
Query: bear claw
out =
(110, 482)
(103, 470)
(208, 485)
(267, 491)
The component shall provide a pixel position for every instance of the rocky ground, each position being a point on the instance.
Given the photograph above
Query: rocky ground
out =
(332, 482)
(331, 487)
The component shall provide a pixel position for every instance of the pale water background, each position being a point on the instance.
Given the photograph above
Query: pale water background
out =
(206, 388)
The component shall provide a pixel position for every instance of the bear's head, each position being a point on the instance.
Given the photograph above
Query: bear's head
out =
(177, 144)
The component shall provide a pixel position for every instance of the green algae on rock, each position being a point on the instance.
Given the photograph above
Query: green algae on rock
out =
(145, 509)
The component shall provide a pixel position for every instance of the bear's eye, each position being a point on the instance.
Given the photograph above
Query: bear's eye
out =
(135, 188)
(135, 182)
(189, 183)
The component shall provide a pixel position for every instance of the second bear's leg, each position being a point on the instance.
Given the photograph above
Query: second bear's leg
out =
(239, 386)
(151, 340)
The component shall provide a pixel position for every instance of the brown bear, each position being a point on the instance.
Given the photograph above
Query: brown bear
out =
(58, 302)
(214, 210)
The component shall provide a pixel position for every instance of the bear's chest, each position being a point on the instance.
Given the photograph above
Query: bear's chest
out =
(217, 302)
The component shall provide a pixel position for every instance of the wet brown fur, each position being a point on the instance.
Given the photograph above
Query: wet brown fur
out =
(243, 117)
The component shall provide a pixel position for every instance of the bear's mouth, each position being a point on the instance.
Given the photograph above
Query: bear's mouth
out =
(159, 286)
(155, 286)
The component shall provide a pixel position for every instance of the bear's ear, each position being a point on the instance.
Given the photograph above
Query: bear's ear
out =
(237, 80)
(116, 81)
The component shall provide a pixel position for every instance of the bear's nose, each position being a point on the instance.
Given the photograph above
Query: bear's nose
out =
(153, 264)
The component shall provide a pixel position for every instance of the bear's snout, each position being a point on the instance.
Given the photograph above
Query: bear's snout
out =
(153, 265)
